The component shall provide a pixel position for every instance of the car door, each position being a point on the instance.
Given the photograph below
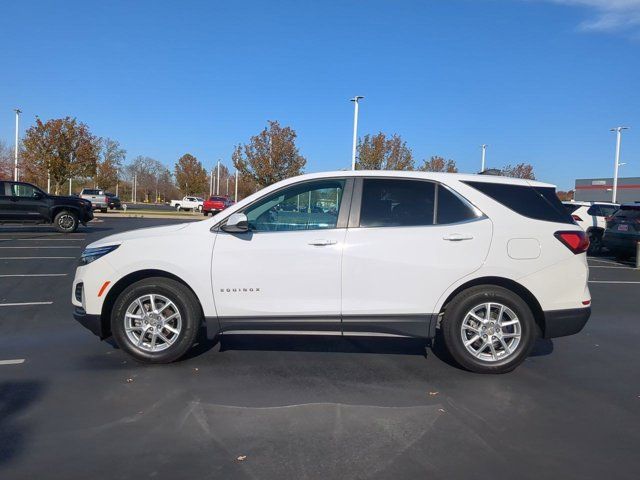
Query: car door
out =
(28, 202)
(284, 273)
(7, 212)
(408, 240)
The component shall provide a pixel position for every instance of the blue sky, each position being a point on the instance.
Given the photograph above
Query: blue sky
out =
(538, 81)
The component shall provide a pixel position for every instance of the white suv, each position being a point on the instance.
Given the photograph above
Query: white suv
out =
(591, 217)
(492, 262)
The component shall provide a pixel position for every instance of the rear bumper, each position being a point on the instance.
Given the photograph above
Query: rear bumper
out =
(560, 323)
(615, 241)
(93, 323)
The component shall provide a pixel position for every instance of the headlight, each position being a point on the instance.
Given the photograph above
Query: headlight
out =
(92, 254)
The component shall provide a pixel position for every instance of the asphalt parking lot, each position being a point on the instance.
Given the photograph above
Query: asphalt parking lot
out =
(251, 407)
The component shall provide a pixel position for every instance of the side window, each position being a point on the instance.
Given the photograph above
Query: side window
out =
(452, 209)
(393, 203)
(4, 189)
(307, 206)
(22, 190)
(594, 210)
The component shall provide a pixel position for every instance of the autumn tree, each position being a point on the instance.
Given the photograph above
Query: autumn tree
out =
(6, 161)
(378, 152)
(439, 164)
(191, 177)
(152, 179)
(270, 156)
(109, 164)
(565, 196)
(63, 148)
(521, 170)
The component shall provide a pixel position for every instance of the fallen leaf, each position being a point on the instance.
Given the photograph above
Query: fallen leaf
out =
(441, 410)
(241, 458)
(129, 380)
(433, 393)
(195, 369)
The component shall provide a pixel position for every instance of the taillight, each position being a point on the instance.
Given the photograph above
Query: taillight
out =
(576, 218)
(577, 242)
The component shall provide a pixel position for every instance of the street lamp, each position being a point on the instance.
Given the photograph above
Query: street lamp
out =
(617, 163)
(15, 168)
(484, 156)
(218, 179)
(356, 101)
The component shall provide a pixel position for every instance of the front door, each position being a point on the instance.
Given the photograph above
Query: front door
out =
(408, 242)
(27, 202)
(284, 273)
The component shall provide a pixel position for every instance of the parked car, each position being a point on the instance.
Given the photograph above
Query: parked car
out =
(215, 205)
(623, 231)
(492, 262)
(592, 217)
(113, 201)
(22, 202)
(188, 203)
(98, 198)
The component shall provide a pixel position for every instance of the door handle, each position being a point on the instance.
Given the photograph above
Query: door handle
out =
(322, 242)
(457, 237)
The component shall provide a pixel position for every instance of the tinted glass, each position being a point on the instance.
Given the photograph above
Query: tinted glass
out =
(22, 190)
(396, 203)
(91, 192)
(309, 206)
(570, 207)
(608, 210)
(539, 203)
(628, 213)
(594, 210)
(4, 189)
(451, 209)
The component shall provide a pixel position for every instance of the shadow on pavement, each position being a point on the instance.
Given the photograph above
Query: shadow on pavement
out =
(15, 398)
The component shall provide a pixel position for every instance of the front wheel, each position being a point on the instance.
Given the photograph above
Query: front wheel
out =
(177, 208)
(488, 329)
(156, 320)
(66, 222)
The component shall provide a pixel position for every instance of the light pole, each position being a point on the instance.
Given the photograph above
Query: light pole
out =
(617, 164)
(356, 101)
(484, 155)
(227, 185)
(211, 184)
(236, 187)
(15, 168)
(218, 179)
(69, 187)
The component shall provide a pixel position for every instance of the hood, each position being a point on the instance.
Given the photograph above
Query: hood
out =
(68, 198)
(138, 234)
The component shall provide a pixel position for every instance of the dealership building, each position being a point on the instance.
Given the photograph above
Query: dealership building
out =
(601, 190)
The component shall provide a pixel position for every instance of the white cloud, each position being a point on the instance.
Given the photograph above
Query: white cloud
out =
(609, 15)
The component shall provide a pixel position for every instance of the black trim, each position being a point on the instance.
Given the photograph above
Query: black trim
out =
(92, 322)
(356, 203)
(560, 323)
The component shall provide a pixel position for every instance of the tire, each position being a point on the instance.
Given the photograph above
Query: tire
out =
(187, 323)
(595, 243)
(205, 213)
(458, 323)
(104, 210)
(177, 208)
(65, 222)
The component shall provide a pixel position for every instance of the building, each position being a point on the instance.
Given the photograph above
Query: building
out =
(601, 189)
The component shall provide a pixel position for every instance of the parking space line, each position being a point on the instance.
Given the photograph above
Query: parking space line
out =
(35, 275)
(15, 361)
(37, 246)
(29, 239)
(609, 281)
(24, 304)
(35, 258)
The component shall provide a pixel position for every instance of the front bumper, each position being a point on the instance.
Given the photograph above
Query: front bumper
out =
(92, 322)
(86, 216)
(560, 323)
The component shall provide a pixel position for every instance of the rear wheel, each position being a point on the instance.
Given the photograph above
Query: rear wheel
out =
(595, 242)
(156, 320)
(177, 208)
(66, 222)
(206, 213)
(488, 329)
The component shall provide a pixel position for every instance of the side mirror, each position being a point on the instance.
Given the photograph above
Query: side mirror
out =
(236, 223)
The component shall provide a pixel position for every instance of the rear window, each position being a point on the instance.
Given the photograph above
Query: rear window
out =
(216, 199)
(628, 212)
(539, 203)
(570, 207)
(92, 192)
(607, 210)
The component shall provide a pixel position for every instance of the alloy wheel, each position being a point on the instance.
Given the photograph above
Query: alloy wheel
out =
(491, 332)
(152, 323)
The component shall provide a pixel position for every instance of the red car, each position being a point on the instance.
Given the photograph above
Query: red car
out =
(215, 204)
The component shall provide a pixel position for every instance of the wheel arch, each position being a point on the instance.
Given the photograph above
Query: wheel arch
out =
(510, 285)
(60, 208)
(130, 279)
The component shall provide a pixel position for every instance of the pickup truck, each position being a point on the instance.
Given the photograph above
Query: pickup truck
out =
(22, 202)
(188, 203)
(98, 198)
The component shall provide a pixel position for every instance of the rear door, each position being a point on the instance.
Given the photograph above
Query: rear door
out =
(407, 241)
(6, 202)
